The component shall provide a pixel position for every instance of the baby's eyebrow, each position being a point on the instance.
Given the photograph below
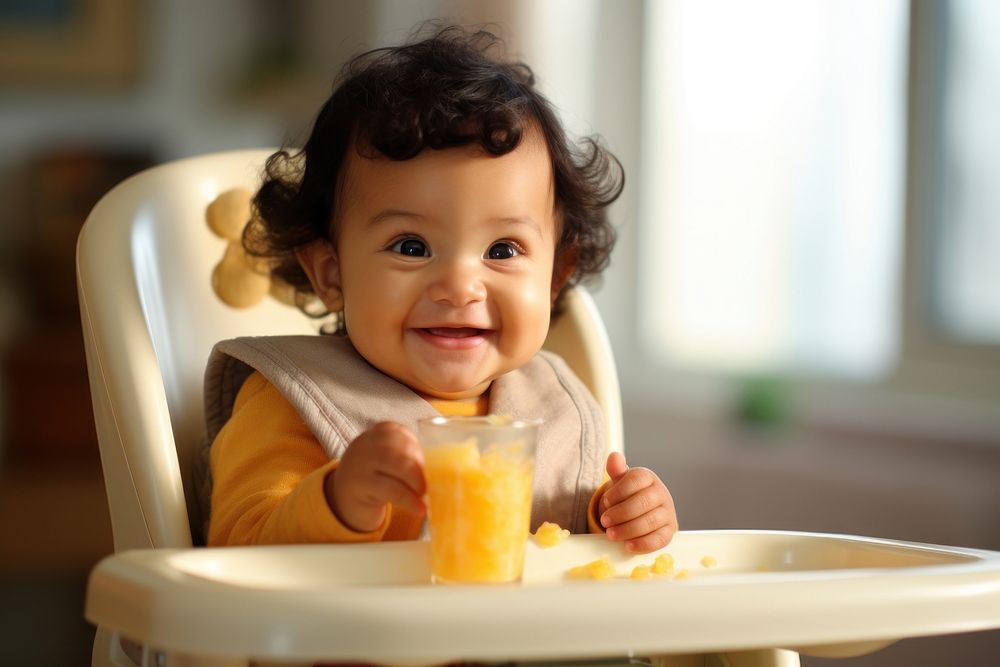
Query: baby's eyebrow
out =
(385, 214)
(520, 220)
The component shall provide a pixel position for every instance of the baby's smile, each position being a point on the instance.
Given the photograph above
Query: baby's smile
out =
(454, 338)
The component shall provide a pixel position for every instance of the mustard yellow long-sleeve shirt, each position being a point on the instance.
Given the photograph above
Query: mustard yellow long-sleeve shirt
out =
(268, 473)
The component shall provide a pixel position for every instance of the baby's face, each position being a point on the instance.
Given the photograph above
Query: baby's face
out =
(446, 262)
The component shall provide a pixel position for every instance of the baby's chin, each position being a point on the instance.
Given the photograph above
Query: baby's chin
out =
(446, 392)
(441, 388)
(452, 381)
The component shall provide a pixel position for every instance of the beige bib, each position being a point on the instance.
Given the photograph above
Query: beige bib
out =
(340, 395)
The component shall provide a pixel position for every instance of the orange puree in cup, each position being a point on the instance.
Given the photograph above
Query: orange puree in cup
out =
(480, 510)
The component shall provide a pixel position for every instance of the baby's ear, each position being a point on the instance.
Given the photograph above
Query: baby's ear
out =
(563, 269)
(319, 261)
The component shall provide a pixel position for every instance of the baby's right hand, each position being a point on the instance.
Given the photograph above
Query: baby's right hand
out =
(383, 465)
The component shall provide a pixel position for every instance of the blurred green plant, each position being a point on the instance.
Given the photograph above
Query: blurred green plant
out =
(762, 403)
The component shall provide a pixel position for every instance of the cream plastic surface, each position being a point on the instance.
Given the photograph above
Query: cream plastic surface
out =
(821, 594)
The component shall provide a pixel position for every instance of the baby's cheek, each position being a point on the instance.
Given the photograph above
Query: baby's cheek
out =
(533, 307)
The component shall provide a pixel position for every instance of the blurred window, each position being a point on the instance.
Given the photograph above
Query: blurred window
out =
(774, 185)
(965, 212)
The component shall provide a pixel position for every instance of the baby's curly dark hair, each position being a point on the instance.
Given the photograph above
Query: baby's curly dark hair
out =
(450, 89)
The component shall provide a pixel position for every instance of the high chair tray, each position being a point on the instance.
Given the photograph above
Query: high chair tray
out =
(815, 593)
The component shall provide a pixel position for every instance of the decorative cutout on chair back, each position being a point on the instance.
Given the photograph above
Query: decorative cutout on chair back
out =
(240, 280)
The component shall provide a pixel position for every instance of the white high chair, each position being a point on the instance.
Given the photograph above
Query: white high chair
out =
(144, 265)
(144, 262)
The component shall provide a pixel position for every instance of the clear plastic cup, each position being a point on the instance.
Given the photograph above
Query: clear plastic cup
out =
(479, 472)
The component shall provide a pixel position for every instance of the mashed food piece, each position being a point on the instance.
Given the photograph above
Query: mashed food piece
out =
(598, 569)
(663, 564)
(550, 534)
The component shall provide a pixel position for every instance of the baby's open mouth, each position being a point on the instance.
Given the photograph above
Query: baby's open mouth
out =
(454, 332)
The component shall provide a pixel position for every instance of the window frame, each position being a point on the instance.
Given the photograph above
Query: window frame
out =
(931, 360)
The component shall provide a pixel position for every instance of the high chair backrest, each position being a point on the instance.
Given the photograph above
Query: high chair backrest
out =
(150, 319)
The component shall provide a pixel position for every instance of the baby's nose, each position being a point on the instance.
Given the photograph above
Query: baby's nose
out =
(458, 283)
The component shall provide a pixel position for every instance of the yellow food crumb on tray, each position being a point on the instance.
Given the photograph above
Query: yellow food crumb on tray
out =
(550, 534)
(598, 569)
(663, 564)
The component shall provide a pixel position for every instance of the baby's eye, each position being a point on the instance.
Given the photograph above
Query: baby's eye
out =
(410, 247)
(503, 250)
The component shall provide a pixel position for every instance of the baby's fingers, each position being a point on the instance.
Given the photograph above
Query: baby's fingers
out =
(382, 465)
(623, 492)
(651, 541)
(649, 522)
(389, 489)
(632, 509)
(404, 463)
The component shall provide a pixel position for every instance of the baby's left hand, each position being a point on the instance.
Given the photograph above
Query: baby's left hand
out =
(637, 508)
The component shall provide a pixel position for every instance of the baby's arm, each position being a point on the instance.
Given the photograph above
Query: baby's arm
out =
(383, 465)
(637, 508)
(270, 476)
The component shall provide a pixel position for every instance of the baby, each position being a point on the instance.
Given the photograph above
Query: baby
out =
(440, 210)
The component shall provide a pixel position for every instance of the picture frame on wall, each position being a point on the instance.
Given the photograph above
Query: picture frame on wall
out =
(69, 43)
